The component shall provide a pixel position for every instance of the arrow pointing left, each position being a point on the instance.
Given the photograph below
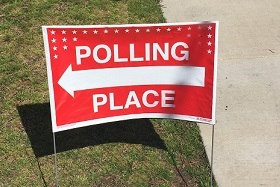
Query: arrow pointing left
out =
(72, 81)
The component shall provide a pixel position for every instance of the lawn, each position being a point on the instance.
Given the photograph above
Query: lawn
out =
(129, 153)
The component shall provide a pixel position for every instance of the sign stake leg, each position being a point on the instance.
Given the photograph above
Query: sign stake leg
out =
(55, 160)
(212, 154)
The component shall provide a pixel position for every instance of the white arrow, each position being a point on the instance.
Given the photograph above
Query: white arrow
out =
(72, 81)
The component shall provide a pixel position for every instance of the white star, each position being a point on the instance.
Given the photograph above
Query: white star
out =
(147, 30)
(189, 28)
(65, 47)
(105, 31)
(126, 30)
(116, 31)
(179, 29)
(158, 29)
(209, 43)
(54, 48)
(209, 35)
(55, 56)
(75, 39)
(168, 30)
(95, 32)
(64, 39)
(209, 51)
(63, 32)
(52, 32)
(84, 31)
(137, 30)
(199, 27)
(189, 35)
(209, 27)
(74, 32)
(53, 40)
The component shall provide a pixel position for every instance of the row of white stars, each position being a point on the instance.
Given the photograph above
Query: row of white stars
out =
(209, 51)
(106, 31)
(64, 40)
(76, 39)
(65, 47)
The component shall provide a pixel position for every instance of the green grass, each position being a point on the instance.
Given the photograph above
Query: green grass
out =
(23, 81)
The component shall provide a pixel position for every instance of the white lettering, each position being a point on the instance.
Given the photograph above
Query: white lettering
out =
(157, 49)
(184, 53)
(97, 103)
(144, 98)
(79, 56)
(132, 100)
(112, 103)
(116, 54)
(147, 50)
(154, 48)
(95, 52)
(132, 54)
(165, 98)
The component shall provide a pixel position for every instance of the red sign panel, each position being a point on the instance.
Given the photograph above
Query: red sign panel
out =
(98, 74)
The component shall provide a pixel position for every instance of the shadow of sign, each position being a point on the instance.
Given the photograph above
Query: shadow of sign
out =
(36, 119)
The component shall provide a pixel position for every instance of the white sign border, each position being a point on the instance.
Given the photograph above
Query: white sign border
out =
(56, 128)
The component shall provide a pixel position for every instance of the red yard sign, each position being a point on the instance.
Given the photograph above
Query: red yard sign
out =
(98, 74)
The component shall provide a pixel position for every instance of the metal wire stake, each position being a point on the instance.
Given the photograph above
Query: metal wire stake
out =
(55, 160)
(212, 154)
